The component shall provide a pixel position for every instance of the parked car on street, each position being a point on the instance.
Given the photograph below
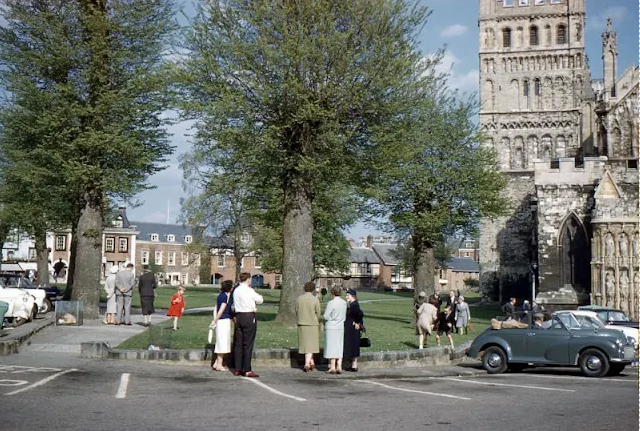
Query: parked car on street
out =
(596, 351)
(51, 293)
(22, 305)
(590, 318)
(3, 310)
(611, 316)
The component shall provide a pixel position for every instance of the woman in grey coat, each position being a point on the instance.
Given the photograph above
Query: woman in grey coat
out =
(462, 316)
(334, 317)
(110, 288)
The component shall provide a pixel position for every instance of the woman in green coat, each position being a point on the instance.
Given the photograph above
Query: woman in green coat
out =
(308, 313)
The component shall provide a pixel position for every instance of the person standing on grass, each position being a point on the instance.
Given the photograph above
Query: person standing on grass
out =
(147, 287)
(308, 315)
(334, 317)
(463, 315)
(427, 316)
(223, 326)
(110, 290)
(352, 328)
(124, 291)
(245, 301)
(177, 305)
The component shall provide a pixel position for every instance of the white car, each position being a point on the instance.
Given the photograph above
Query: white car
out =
(23, 304)
(591, 319)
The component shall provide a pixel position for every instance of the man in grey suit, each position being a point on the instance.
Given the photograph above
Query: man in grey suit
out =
(124, 290)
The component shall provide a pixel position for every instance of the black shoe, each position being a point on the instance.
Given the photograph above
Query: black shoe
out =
(353, 370)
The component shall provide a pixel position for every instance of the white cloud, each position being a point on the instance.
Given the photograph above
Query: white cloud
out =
(599, 22)
(466, 82)
(454, 30)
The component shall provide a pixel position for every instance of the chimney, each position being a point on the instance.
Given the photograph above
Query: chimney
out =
(123, 210)
(369, 241)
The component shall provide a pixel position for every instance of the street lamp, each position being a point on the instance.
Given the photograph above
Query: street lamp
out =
(533, 205)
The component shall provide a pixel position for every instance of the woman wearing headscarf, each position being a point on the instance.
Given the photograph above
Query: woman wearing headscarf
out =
(462, 316)
(334, 316)
(308, 312)
(352, 328)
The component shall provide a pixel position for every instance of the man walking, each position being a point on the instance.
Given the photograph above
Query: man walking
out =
(147, 287)
(245, 301)
(124, 290)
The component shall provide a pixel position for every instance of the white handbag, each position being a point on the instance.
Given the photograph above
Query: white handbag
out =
(212, 325)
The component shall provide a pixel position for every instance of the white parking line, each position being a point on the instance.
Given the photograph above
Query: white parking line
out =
(586, 379)
(122, 389)
(41, 382)
(414, 391)
(270, 389)
(507, 384)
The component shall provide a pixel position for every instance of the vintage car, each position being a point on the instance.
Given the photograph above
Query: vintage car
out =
(611, 316)
(588, 318)
(596, 351)
(51, 293)
(22, 305)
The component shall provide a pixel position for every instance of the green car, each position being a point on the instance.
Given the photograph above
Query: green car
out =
(597, 351)
(3, 310)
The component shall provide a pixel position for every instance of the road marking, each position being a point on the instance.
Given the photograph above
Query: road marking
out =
(41, 382)
(16, 369)
(591, 379)
(270, 389)
(7, 382)
(122, 389)
(507, 384)
(414, 391)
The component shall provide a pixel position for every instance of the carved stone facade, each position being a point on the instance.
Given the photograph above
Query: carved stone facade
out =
(569, 147)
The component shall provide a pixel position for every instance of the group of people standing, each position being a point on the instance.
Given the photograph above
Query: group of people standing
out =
(119, 290)
(430, 317)
(343, 325)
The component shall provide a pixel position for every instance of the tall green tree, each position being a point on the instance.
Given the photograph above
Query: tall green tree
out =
(439, 181)
(92, 74)
(315, 82)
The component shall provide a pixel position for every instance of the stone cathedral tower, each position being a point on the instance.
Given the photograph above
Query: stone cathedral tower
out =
(568, 146)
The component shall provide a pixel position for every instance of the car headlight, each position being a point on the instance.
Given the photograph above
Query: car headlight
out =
(619, 342)
(631, 340)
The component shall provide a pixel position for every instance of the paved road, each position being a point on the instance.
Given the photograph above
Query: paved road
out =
(48, 386)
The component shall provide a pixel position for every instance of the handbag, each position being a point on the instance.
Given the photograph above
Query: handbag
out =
(212, 325)
(364, 340)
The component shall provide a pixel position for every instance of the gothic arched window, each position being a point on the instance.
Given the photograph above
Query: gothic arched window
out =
(537, 87)
(506, 37)
(561, 34)
(533, 35)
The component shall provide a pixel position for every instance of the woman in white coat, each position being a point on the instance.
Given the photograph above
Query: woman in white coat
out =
(110, 288)
(334, 317)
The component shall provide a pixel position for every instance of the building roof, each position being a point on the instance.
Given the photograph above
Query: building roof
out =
(145, 229)
(386, 254)
(462, 264)
(363, 255)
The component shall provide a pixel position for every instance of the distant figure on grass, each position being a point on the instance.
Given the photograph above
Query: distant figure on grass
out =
(245, 301)
(177, 306)
(124, 291)
(110, 290)
(445, 325)
(223, 326)
(147, 287)
(462, 316)
(427, 314)
(334, 316)
(352, 329)
(308, 315)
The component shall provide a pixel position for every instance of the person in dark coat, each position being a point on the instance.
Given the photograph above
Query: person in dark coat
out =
(147, 287)
(509, 309)
(352, 328)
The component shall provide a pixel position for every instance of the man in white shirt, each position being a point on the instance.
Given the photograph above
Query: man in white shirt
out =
(245, 301)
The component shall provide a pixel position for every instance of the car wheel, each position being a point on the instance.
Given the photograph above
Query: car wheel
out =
(34, 313)
(46, 306)
(494, 360)
(594, 363)
(17, 321)
(615, 369)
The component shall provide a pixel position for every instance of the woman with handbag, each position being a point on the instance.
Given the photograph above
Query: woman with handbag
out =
(352, 328)
(222, 322)
(334, 316)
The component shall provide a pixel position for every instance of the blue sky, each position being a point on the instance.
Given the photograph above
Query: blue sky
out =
(454, 24)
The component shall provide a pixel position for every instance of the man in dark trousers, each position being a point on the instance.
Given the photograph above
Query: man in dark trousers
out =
(509, 309)
(147, 287)
(245, 301)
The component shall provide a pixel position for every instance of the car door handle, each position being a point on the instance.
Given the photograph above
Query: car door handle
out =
(530, 334)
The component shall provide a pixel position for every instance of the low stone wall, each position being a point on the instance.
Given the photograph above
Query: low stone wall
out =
(10, 343)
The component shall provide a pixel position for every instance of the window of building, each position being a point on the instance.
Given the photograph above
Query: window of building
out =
(561, 34)
(144, 257)
(107, 266)
(196, 259)
(556, 1)
(188, 239)
(277, 279)
(171, 258)
(221, 261)
(523, 2)
(109, 244)
(525, 88)
(506, 37)
(185, 258)
(32, 253)
(123, 245)
(171, 238)
(533, 35)
(158, 258)
(539, 2)
(256, 263)
(537, 88)
(507, 3)
(185, 278)
(61, 243)
(364, 268)
(155, 237)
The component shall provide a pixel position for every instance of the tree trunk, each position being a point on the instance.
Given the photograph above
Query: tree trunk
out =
(73, 248)
(424, 266)
(297, 261)
(88, 257)
(42, 257)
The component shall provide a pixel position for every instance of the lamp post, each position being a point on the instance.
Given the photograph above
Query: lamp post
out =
(533, 204)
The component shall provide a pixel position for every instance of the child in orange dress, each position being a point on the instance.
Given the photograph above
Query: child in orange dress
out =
(177, 306)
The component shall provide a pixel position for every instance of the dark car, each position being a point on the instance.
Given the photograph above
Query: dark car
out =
(596, 351)
(17, 280)
(611, 316)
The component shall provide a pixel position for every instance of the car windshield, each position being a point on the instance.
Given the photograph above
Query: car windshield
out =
(573, 321)
(613, 316)
(10, 281)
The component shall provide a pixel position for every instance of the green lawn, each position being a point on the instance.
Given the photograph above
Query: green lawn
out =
(388, 322)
